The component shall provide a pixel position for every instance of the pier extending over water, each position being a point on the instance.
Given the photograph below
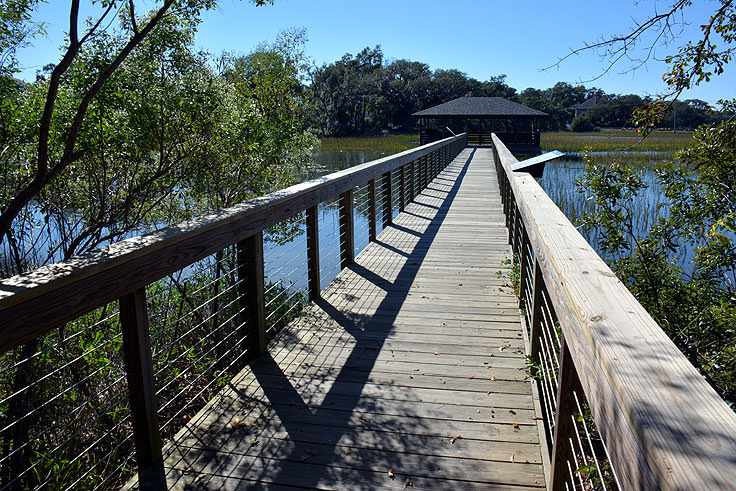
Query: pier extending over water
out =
(416, 366)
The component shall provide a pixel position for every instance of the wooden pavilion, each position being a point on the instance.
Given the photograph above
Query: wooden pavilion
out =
(516, 124)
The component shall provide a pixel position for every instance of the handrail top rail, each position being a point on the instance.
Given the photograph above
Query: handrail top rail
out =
(132, 263)
(635, 374)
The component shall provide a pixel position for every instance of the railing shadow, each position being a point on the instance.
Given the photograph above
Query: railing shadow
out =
(297, 406)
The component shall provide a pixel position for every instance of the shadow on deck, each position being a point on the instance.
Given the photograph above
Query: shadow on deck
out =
(408, 372)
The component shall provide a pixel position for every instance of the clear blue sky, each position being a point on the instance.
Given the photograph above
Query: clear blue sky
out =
(482, 38)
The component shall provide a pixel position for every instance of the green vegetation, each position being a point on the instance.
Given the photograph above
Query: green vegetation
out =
(134, 129)
(362, 94)
(388, 143)
(695, 307)
(615, 141)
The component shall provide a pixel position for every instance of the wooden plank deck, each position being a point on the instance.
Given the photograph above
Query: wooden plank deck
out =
(409, 371)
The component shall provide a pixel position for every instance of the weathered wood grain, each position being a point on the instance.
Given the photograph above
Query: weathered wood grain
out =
(667, 427)
(397, 365)
(34, 303)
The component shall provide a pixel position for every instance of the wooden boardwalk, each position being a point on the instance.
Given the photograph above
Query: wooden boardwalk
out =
(408, 372)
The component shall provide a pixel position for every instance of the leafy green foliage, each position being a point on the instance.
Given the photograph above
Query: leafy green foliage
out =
(696, 306)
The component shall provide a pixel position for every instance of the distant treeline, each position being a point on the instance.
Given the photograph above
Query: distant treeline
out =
(367, 94)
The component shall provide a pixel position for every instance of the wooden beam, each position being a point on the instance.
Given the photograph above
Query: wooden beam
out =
(402, 188)
(347, 229)
(253, 297)
(72, 288)
(313, 252)
(141, 388)
(386, 199)
(667, 427)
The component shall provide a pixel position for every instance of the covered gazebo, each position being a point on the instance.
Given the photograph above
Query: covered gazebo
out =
(516, 124)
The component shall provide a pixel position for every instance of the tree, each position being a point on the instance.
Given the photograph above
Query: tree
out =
(59, 149)
(695, 305)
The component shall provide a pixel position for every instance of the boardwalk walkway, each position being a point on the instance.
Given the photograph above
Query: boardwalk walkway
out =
(408, 372)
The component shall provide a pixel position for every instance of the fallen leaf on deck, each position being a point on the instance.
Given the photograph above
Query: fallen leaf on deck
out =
(493, 379)
(512, 411)
(472, 376)
(455, 438)
(516, 425)
(391, 473)
(437, 353)
(306, 455)
(443, 380)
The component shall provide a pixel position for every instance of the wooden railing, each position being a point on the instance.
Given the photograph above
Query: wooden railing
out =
(622, 406)
(511, 138)
(40, 302)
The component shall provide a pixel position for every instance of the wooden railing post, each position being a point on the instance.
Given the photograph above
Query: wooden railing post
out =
(387, 206)
(251, 290)
(535, 318)
(313, 252)
(511, 222)
(141, 388)
(524, 258)
(422, 173)
(566, 383)
(402, 188)
(412, 194)
(347, 230)
(372, 210)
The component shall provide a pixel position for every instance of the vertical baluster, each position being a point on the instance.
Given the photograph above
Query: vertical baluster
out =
(372, 210)
(510, 221)
(313, 252)
(251, 290)
(412, 167)
(524, 259)
(567, 381)
(402, 188)
(535, 318)
(387, 209)
(141, 388)
(422, 172)
(347, 231)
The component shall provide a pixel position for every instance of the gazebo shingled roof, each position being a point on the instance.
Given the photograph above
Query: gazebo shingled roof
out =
(479, 107)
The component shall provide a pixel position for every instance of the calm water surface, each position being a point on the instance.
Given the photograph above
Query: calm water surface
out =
(286, 259)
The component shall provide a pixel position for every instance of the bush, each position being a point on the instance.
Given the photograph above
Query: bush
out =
(582, 123)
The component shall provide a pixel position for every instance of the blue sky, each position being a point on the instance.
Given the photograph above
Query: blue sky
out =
(480, 38)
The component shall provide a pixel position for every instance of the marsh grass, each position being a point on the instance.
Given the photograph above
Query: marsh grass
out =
(388, 144)
(625, 141)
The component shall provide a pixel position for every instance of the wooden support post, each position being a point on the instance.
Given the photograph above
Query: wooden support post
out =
(566, 383)
(422, 173)
(387, 206)
(141, 389)
(313, 252)
(412, 165)
(524, 258)
(372, 210)
(402, 188)
(347, 231)
(511, 221)
(535, 322)
(252, 294)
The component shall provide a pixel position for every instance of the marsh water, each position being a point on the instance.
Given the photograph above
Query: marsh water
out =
(559, 181)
